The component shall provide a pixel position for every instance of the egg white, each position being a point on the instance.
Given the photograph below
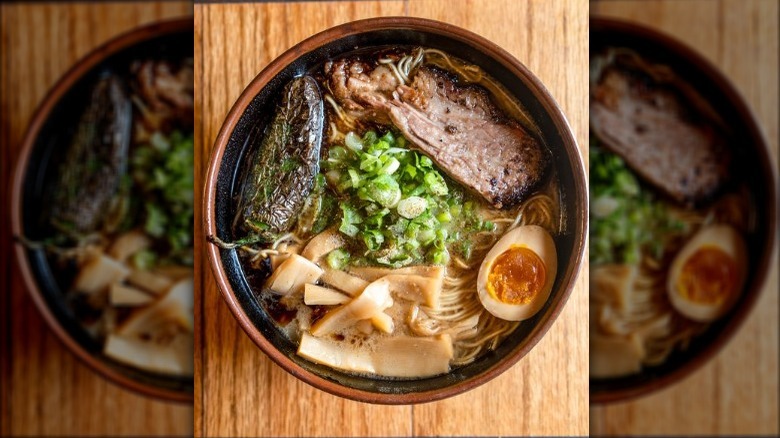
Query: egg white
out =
(538, 240)
(728, 240)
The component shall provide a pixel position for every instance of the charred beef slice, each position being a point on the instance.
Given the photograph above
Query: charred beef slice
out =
(661, 137)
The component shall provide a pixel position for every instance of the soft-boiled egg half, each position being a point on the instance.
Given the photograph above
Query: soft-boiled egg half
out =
(707, 275)
(517, 275)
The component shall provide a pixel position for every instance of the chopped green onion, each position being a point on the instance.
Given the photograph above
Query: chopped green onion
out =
(156, 220)
(626, 220)
(337, 154)
(411, 207)
(373, 239)
(440, 257)
(354, 178)
(349, 218)
(352, 141)
(390, 167)
(444, 217)
(369, 137)
(395, 204)
(338, 258)
(143, 259)
(384, 190)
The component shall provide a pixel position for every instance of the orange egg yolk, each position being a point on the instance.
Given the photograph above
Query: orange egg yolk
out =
(517, 276)
(708, 276)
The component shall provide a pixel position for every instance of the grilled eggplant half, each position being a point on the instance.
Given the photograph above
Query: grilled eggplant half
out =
(282, 166)
(90, 176)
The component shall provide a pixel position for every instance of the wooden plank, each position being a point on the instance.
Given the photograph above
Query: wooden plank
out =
(242, 391)
(46, 389)
(737, 393)
(201, 260)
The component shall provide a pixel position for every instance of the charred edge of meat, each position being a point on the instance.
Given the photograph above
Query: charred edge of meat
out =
(284, 163)
(544, 174)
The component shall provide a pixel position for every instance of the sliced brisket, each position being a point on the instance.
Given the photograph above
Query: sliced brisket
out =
(660, 136)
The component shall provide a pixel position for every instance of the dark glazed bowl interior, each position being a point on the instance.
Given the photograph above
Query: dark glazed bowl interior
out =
(250, 115)
(753, 164)
(44, 148)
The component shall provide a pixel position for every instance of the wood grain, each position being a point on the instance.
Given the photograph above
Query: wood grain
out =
(737, 393)
(46, 390)
(241, 391)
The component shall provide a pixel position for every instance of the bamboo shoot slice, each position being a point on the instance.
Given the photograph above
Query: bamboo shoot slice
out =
(417, 288)
(150, 281)
(613, 357)
(321, 244)
(121, 295)
(409, 356)
(335, 355)
(343, 281)
(175, 308)
(292, 275)
(98, 273)
(181, 296)
(128, 244)
(314, 295)
(278, 259)
(373, 273)
(174, 357)
(383, 322)
(400, 356)
(158, 337)
(365, 326)
(374, 299)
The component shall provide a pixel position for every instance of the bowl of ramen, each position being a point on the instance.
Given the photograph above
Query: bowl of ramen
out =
(102, 209)
(395, 210)
(683, 210)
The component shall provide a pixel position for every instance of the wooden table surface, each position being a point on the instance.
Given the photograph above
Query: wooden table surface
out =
(241, 391)
(737, 393)
(45, 389)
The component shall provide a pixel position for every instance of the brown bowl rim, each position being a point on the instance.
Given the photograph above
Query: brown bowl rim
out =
(312, 43)
(735, 98)
(122, 41)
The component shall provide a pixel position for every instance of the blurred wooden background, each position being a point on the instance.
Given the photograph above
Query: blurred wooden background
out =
(45, 389)
(241, 391)
(737, 393)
